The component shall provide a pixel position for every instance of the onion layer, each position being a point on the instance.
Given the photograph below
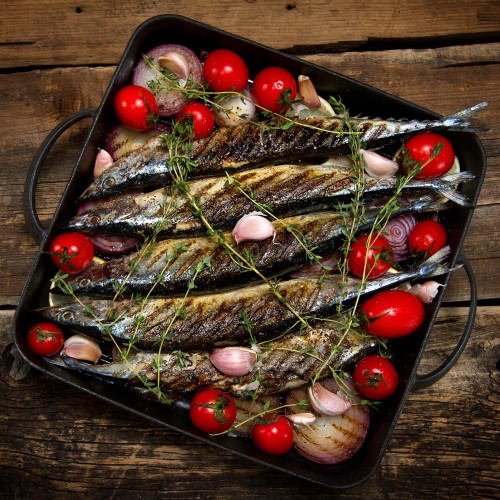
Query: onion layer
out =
(330, 439)
(122, 140)
(170, 102)
(396, 232)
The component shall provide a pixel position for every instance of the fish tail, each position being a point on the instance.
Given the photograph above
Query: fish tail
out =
(447, 187)
(461, 119)
(436, 264)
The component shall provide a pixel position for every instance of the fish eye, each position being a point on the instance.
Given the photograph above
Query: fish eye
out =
(84, 282)
(67, 315)
(109, 182)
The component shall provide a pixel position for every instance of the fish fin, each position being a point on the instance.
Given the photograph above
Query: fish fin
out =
(461, 119)
(448, 188)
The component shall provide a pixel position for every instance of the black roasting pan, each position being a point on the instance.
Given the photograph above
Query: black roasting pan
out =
(360, 99)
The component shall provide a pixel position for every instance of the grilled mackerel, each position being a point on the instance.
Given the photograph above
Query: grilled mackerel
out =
(169, 265)
(205, 321)
(289, 362)
(248, 145)
(287, 189)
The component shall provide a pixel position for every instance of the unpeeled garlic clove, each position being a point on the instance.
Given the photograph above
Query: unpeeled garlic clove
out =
(300, 420)
(234, 361)
(326, 402)
(176, 63)
(102, 161)
(82, 348)
(253, 227)
(378, 166)
(308, 93)
(426, 292)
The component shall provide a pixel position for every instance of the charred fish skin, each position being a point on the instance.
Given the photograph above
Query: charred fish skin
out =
(166, 271)
(288, 189)
(288, 362)
(215, 319)
(248, 145)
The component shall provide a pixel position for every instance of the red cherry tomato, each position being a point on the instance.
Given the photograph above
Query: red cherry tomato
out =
(274, 435)
(273, 87)
(370, 259)
(201, 117)
(433, 151)
(224, 70)
(213, 411)
(45, 339)
(375, 377)
(426, 238)
(393, 313)
(136, 108)
(72, 252)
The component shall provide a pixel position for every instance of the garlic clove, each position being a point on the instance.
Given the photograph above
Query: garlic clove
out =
(234, 361)
(426, 292)
(82, 348)
(308, 93)
(326, 402)
(378, 166)
(102, 161)
(253, 227)
(176, 63)
(300, 420)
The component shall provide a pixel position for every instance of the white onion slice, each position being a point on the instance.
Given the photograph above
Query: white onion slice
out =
(330, 439)
(122, 140)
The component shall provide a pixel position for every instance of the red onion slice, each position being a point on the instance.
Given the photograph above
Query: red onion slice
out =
(396, 232)
(170, 102)
(330, 439)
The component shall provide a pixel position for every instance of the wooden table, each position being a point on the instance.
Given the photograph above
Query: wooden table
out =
(57, 58)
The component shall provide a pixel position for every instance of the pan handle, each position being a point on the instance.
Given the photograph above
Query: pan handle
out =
(423, 381)
(35, 227)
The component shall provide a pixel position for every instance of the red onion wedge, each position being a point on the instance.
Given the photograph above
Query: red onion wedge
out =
(330, 439)
(179, 60)
(122, 140)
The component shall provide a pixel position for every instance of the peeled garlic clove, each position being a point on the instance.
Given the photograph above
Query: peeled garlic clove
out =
(253, 227)
(308, 93)
(426, 292)
(234, 361)
(300, 420)
(326, 402)
(82, 348)
(378, 166)
(176, 63)
(102, 161)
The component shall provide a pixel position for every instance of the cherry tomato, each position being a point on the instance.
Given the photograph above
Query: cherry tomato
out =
(375, 377)
(136, 108)
(393, 313)
(213, 411)
(273, 87)
(45, 339)
(225, 70)
(426, 238)
(370, 258)
(72, 252)
(274, 435)
(201, 117)
(423, 147)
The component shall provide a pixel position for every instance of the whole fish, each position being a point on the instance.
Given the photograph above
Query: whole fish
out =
(287, 189)
(204, 321)
(168, 266)
(289, 362)
(249, 145)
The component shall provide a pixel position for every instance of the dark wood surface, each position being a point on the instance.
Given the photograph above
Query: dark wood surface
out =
(57, 58)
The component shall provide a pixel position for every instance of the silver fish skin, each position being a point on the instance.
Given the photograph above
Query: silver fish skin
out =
(291, 361)
(169, 265)
(215, 319)
(288, 190)
(248, 145)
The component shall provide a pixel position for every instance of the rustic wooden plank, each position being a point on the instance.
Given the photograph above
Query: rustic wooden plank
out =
(57, 440)
(443, 80)
(72, 34)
